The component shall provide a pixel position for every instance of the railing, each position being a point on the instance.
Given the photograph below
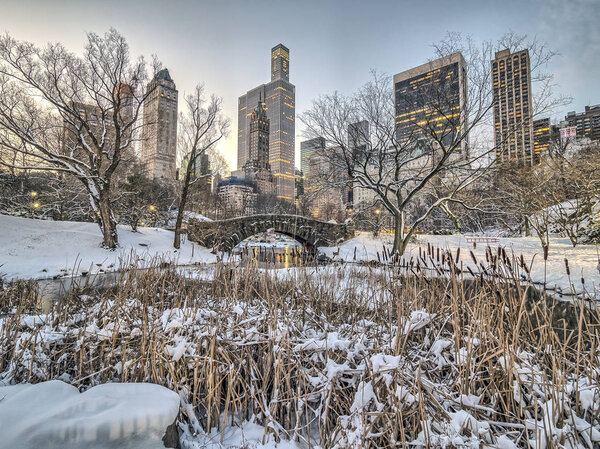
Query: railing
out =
(476, 240)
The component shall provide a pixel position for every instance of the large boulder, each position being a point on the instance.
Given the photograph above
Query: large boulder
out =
(54, 414)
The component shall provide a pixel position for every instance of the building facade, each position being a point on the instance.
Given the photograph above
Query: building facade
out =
(237, 196)
(511, 95)
(200, 174)
(279, 102)
(159, 134)
(307, 149)
(326, 186)
(584, 124)
(257, 169)
(542, 135)
(431, 100)
(101, 124)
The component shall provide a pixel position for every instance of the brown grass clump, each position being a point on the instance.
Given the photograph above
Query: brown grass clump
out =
(336, 356)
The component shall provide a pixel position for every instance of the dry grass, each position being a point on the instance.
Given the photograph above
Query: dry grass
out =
(335, 357)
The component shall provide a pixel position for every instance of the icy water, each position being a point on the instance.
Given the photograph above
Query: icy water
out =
(271, 250)
(274, 257)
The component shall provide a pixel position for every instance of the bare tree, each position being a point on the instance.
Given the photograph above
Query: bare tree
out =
(201, 127)
(140, 200)
(574, 190)
(72, 114)
(43, 194)
(526, 195)
(443, 151)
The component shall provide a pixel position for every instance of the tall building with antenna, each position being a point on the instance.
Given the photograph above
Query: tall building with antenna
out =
(279, 97)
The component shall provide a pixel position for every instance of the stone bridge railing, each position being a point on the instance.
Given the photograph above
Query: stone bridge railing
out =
(223, 235)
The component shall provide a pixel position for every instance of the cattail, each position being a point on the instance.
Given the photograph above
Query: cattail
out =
(567, 267)
(545, 252)
(473, 257)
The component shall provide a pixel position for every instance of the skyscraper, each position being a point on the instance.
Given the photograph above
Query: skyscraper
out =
(279, 102)
(511, 94)
(431, 99)
(307, 149)
(159, 135)
(257, 168)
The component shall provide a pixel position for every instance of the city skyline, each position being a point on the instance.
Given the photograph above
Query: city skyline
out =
(333, 56)
(279, 99)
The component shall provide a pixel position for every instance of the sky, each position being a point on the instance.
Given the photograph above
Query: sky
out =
(334, 44)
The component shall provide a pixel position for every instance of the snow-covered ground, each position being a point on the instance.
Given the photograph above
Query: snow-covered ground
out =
(583, 260)
(54, 414)
(247, 435)
(37, 249)
(187, 215)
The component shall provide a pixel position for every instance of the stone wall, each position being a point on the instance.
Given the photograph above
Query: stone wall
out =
(223, 235)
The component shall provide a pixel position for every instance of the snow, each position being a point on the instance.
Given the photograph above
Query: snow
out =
(187, 216)
(351, 357)
(54, 414)
(38, 249)
(583, 260)
(247, 435)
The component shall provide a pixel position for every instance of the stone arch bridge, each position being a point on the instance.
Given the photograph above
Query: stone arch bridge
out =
(223, 235)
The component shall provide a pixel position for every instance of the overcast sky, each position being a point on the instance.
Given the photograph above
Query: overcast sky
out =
(333, 43)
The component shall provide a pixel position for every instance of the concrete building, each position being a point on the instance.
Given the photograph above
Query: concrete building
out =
(585, 124)
(511, 94)
(238, 197)
(159, 134)
(279, 99)
(431, 99)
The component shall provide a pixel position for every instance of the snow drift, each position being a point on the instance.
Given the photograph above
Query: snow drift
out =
(54, 414)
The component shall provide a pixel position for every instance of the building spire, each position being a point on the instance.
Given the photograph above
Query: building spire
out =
(280, 63)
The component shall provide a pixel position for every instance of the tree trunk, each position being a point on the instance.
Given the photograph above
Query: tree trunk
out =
(400, 241)
(544, 240)
(527, 228)
(180, 212)
(107, 222)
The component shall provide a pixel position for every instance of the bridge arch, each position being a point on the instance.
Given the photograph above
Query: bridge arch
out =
(224, 235)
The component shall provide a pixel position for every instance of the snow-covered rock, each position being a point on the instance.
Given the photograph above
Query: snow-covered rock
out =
(54, 414)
